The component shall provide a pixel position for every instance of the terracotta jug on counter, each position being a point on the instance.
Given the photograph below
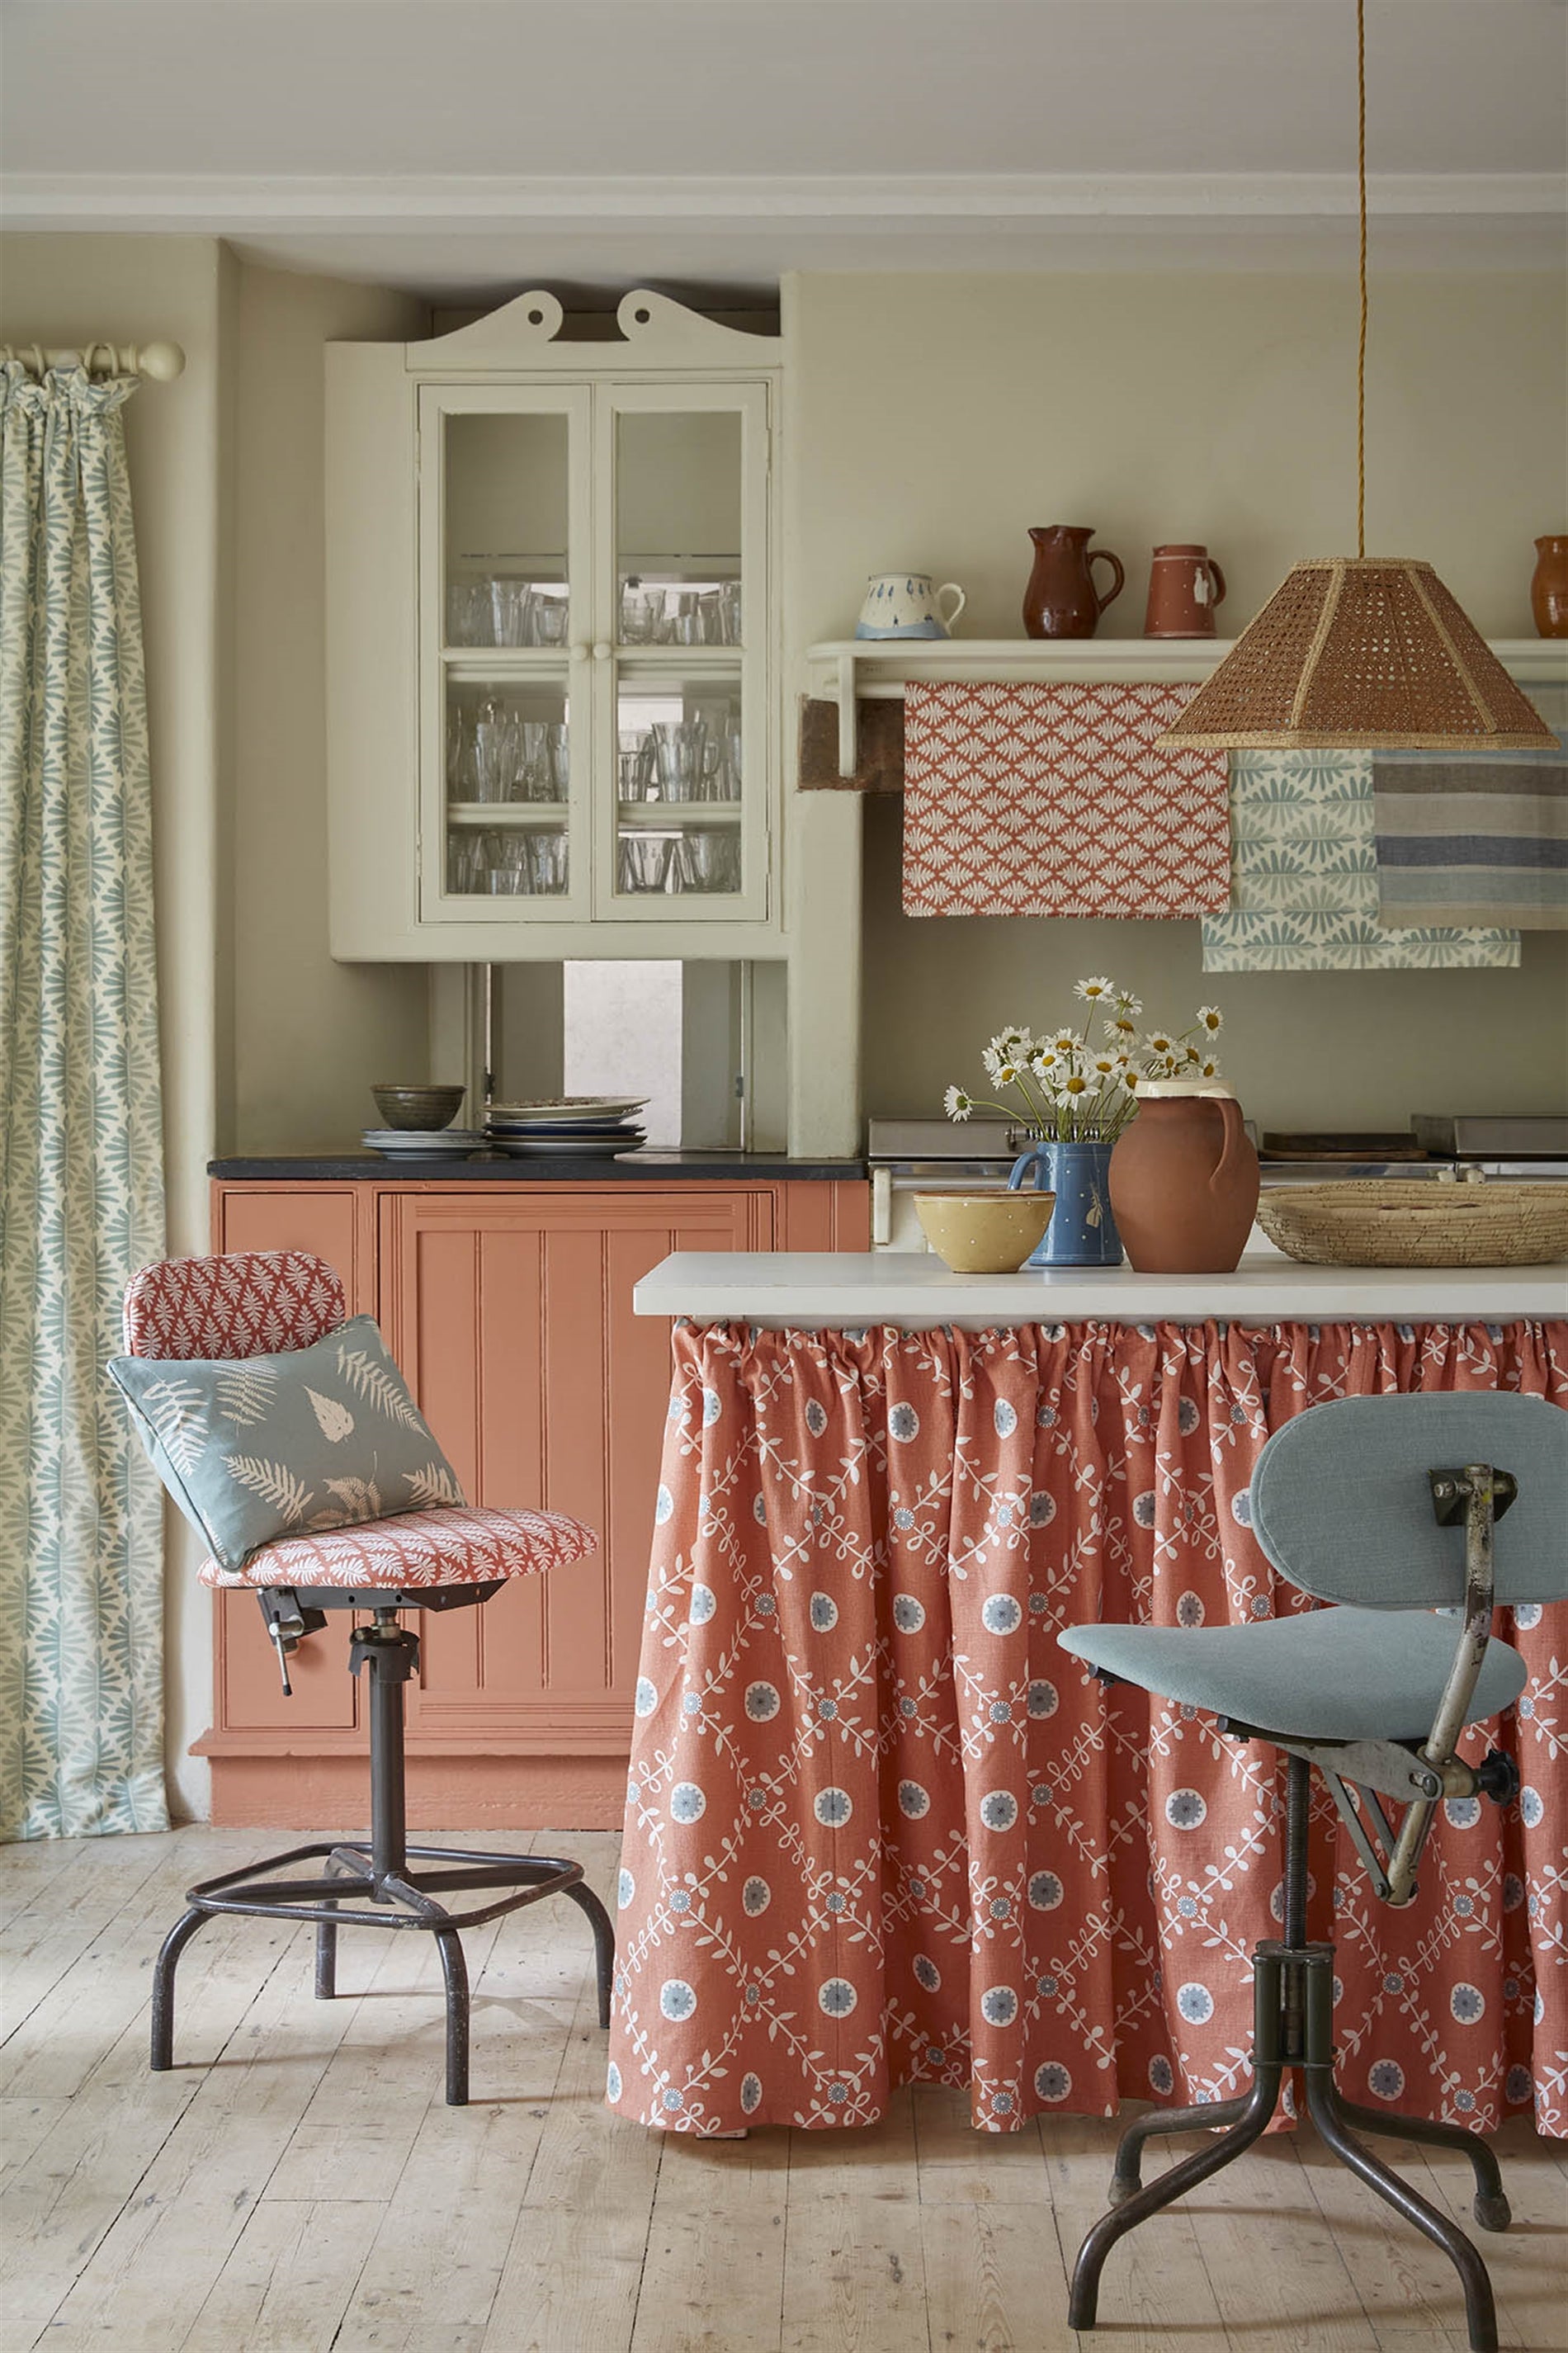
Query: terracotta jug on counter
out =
(1185, 584)
(1061, 599)
(1183, 1179)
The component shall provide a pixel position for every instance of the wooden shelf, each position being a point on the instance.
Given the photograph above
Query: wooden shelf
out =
(664, 817)
(498, 816)
(841, 670)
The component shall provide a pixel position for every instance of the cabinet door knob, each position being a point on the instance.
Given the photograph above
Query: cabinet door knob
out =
(579, 653)
(603, 651)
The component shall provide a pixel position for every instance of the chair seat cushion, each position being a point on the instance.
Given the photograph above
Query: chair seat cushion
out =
(1323, 1674)
(459, 1545)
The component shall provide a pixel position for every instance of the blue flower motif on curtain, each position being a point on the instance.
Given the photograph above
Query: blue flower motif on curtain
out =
(82, 1180)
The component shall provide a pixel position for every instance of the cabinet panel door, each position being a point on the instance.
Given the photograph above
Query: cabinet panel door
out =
(512, 1322)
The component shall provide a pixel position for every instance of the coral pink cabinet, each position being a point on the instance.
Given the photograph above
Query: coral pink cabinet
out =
(509, 1308)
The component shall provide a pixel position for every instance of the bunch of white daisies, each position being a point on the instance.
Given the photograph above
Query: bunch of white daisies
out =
(1074, 1092)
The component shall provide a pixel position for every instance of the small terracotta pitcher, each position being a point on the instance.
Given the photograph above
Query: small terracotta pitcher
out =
(1183, 1179)
(1185, 584)
(1548, 589)
(1061, 599)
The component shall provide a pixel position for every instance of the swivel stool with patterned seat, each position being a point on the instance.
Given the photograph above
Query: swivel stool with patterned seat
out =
(251, 1304)
(1383, 1505)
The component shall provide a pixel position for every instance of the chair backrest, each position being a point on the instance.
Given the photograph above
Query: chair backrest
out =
(246, 1303)
(1341, 1506)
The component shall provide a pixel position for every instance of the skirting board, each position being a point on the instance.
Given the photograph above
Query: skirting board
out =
(445, 1793)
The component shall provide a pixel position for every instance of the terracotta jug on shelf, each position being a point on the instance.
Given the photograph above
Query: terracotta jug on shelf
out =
(1185, 584)
(1183, 1179)
(1548, 589)
(1061, 599)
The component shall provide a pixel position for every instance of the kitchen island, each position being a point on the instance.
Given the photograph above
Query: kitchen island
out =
(882, 1829)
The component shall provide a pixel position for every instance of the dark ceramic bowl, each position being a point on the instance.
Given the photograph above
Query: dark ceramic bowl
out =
(420, 1107)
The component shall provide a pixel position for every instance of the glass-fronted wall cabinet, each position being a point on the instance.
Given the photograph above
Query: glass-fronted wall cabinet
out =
(592, 755)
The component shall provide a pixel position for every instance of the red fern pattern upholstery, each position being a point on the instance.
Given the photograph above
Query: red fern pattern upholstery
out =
(456, 1544)
(246, 1303)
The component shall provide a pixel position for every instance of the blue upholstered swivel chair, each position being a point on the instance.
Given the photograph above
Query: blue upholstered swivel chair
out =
(1374, 1504)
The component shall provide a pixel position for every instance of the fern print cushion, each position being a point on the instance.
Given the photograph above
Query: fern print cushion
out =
(254, 1448)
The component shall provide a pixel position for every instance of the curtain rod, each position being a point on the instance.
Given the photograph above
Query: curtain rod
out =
(161, 362)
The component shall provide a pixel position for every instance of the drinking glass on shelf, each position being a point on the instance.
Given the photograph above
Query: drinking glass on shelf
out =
(677, 745)
(730, 613)
(509, 864)
(708, 859)
(639, 616)
(547, 620)
(644, 862)
(634, 765)
(497, 752)
(465, 866)
(547, 862)
(557, 763)
(460, 784)
(469, 612)
(683, 610)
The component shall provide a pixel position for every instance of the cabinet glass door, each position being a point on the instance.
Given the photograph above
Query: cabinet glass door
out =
(505, 719)
(682, 550)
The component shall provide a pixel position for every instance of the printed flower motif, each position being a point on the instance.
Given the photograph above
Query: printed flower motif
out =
(837, 1997)
(751, 2094)
(1518, 2087)
(815, 1417)
(1052, 2082)
(833, 1807)
(762, 1702)
(1143, 1508)
(1045, 1891)
(1385, 2079)
(611, 2081)
(999, 1810)
(1467, 2003)
(1195, 2003)
(646, 1698)
(1042, 1699)
(712, 1406)
(1464, 1813)
(625, 1888)
(1185, 1809)
(1004, 1418)
(687, 1802)
(823, 1613)
(1190, 1610)
(1530, 1808)
(663, 1506)
(1161, 2080)
(1042, 1508)
(756, 1896)
(1001, 1614)
(998, 2005)
(909, 1615)
(704, 1604)
(913, 1802)
(676, 1999)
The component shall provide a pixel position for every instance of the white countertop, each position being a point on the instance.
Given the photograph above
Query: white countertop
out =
(914, 1290)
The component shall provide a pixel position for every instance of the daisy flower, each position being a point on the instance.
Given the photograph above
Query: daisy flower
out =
(956, 1103)
(1092, 991)
(1122, 1027)
(1067, 1041)
(1160, 1042)
(1211, 1018)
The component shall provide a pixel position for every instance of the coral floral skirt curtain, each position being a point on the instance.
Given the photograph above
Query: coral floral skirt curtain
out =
(880, 1828)
(81, 1144)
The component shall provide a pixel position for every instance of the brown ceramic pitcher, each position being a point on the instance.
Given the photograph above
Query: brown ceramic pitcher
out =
(1183, 1180)
(1185, 584)
(1548, 589)
(1061, 599)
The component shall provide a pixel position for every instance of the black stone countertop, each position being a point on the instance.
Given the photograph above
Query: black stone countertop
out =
(491, 1169)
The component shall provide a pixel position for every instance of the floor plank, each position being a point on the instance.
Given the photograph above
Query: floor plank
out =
(297, 2182)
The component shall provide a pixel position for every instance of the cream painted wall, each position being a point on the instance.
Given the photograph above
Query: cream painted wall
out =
(931, 420)
(309, 1036)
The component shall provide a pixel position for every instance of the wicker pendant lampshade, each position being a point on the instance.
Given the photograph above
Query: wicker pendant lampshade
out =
(1364, 653)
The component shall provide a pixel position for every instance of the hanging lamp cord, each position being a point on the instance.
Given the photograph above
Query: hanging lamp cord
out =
(1360, 346)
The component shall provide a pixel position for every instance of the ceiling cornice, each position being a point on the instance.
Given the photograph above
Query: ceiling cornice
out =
(239, 203)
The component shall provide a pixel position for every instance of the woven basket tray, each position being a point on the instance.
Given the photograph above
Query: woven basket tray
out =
(1371, 1224)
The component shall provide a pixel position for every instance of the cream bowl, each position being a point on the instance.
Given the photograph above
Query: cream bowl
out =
(990, 1232)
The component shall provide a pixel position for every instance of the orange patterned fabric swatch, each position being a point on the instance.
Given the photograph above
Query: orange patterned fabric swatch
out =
(882, 1829)
(1052, 800)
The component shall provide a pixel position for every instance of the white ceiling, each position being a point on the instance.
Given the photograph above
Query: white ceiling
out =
(464, 145)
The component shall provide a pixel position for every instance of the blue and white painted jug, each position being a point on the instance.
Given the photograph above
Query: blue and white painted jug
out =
(904, 605)
(1083, 1232)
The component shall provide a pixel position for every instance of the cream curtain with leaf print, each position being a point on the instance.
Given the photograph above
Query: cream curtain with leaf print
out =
(81, 1188)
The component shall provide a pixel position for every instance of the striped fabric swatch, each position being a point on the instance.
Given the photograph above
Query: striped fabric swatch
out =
(1304, 879)
(1478, 836)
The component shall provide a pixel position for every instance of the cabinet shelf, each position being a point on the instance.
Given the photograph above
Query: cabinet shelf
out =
(665, 816)
(497, 816)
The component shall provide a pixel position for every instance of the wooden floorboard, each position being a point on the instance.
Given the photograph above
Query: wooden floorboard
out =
(296, 2184)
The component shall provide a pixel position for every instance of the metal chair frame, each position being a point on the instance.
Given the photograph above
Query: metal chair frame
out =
(1293, 1979)
(378, 1870)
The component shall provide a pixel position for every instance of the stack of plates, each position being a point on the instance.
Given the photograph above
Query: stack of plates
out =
(569, 1127)
(424, 1143)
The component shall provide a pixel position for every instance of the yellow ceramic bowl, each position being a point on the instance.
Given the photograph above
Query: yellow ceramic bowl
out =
(991, 1232)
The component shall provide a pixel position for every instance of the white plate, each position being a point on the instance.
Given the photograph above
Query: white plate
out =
(572, 1108)
(569, 1148)
(419, 1144)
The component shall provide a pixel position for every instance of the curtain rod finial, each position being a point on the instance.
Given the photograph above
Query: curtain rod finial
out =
(161, 362)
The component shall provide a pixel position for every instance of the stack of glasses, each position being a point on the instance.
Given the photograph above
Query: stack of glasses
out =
(508, 865)
(505, 612)
(493, 753)
(682, 760)
(681, 615)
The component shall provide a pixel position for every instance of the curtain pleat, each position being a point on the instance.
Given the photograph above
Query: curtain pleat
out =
(81, 1185)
